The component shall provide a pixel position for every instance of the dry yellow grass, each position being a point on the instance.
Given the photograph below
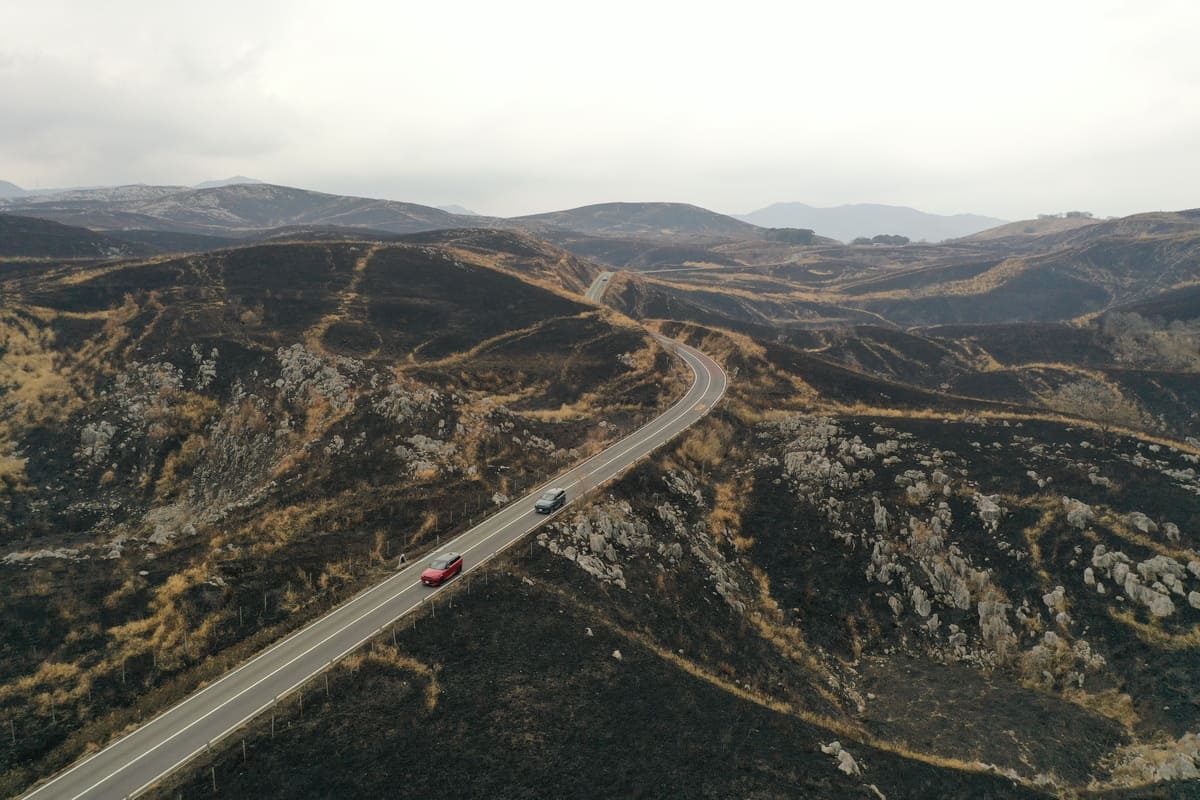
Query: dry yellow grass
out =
(1034, 533)
(1156, 636)
(1110, 703)
(314, 336)
(388, 656)
(30, 372)
(1117, 524)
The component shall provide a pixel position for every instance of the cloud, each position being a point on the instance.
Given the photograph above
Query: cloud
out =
(526, 106)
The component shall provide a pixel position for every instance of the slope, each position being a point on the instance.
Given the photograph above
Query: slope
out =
(237, 209)
(29, 237)
(199, 454)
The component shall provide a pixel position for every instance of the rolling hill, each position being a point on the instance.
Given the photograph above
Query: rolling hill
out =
(647, 220)
(832, 587)
(239, 209)
(11, 190)
(282, 405)
(849, 222)
(29, 237)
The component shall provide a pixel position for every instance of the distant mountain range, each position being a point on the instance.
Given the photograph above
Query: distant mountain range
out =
(247, 209)
(850, 222)
(242, 207)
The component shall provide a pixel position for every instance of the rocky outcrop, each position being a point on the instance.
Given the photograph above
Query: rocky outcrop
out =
(989, 510)
(845, 761)
(94, 441)
(1167, 761)
(169, 522)
(605, 537)
(307, 378)
(405, 403)
(1079, 514)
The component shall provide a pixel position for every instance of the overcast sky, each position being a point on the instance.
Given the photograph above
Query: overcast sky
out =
(1007, 109)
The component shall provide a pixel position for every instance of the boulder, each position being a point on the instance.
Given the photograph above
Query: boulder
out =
(1140, 522)
(1079, 514)
(881, 516)
(920, 601)
(1161, 605)
(989, 510)
(1054, 600)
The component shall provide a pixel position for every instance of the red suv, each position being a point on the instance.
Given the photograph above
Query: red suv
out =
(443, 567)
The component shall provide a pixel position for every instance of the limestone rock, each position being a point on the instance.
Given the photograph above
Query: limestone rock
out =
(845, 761)
(1139, 521)
(1079, 514)
(989, 510)
(920, 601)
(1055, 600)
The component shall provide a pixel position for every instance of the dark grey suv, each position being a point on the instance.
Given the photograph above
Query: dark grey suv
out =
(550, 501)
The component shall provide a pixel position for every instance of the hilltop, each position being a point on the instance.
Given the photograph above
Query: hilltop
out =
(236, 180)
(239, 209)
(1058, 276)
(650, 220)
(848, 222)
(30, 237)
(10, 190)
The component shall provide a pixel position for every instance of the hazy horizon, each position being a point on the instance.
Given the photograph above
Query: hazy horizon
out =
(531, 107)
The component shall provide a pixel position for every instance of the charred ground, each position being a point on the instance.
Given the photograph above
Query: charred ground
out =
(202, 452)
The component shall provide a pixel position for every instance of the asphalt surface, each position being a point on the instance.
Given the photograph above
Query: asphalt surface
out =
(598, 287)
(136, 761)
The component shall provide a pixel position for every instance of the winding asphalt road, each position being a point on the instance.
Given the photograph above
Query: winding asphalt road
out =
(599, 286)
(136, 761)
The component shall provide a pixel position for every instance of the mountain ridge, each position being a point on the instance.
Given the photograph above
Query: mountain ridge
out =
(653, 219)
(851, 221)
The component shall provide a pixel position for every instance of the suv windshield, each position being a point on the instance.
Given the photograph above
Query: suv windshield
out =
(550, 495)
(441, 562)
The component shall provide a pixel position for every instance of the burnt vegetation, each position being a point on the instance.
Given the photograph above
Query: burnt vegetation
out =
(941, 539)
